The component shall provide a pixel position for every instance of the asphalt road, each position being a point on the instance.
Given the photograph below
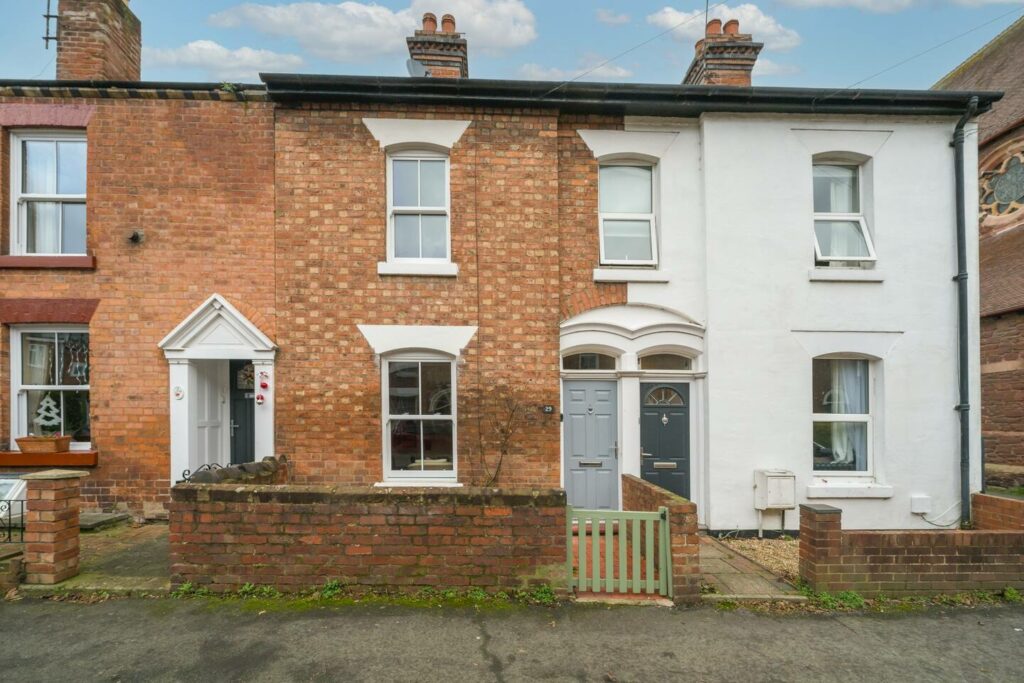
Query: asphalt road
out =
(173, 640)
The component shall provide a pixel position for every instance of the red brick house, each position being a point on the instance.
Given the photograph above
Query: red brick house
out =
(410, 281)
(998, 65)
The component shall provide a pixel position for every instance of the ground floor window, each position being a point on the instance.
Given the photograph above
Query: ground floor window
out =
(841, 414)
(50, 382)
(419, 418)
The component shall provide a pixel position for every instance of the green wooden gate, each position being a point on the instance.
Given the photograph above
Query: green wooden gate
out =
(612, 551)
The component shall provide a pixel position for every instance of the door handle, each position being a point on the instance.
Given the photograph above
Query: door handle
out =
(233, 427)
(647, 455)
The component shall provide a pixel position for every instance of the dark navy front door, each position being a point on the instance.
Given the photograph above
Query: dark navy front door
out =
(665, 435)
(243, 425)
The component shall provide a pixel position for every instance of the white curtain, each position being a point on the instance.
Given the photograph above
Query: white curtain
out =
(850, 396)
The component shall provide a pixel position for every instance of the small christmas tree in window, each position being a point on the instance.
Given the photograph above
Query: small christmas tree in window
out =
(48, 416)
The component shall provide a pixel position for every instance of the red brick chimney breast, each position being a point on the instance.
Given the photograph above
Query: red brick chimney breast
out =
(723, 57)
(444, 53)
(98, 40)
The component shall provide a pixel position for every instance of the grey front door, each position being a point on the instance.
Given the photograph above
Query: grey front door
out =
(665, 436)
(591, 438)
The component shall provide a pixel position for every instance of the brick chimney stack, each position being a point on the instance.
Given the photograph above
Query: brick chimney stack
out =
(724, 56)
(443, 52)
(98, 40)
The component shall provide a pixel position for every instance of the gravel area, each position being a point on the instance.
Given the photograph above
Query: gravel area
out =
(780, 556)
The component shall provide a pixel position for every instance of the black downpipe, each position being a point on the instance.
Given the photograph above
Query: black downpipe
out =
(964, 407)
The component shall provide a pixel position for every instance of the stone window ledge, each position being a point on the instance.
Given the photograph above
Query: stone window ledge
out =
(419, 484)
(848, 489)
(421, 269)
(629, 275)
(49, 262)
(67, 459)
(845, 275)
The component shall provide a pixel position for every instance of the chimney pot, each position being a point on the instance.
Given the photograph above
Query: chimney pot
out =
(723, 58)
(429, 23)
(447, 24)
(714, 27)
(444, 53)
(732, 27)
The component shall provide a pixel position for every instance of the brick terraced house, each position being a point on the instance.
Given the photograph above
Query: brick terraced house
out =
(444, 281)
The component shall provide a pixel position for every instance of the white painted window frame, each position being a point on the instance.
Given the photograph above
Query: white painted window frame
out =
(414, 154)
(428, 477)
(858, 218)
(864, 418)
(668, 373)
(652, 217)
(19, 200)
(19, 397)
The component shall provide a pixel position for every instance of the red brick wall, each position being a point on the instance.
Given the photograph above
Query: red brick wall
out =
(997, 512)
(198, 178)
(1002, 388)
(905, 562)
(300, 537)
(52, 505)
(639, 495)
(98, 40)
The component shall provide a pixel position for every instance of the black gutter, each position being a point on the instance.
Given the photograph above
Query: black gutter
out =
(618, 98)
(126, 85)
(964, 407)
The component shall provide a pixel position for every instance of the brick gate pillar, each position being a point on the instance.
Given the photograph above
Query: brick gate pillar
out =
(821, 539)
(51, 525)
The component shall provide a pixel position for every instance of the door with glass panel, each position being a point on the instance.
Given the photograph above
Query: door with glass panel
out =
(590, 416)
(665, 436)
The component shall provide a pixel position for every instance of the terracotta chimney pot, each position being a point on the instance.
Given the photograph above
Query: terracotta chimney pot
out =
(732, 27)
(447, 24)
(714, 27)
(429, 23)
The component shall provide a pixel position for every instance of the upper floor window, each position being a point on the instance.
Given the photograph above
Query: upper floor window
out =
(48, 193)
(50, 382)
(418, 207)
(627, 224)
(841, 414)
(840, 232)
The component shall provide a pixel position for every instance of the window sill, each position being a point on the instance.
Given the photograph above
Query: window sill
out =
(845, 275)
(28, 262)
(423, 269)
(418, 483)
(848, 489)
(66, 459)
(629, 275)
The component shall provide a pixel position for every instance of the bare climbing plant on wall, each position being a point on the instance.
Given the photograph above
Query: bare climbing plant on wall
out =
(504, 412)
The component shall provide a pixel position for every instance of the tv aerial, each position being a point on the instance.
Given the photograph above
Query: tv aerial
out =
(416, 68)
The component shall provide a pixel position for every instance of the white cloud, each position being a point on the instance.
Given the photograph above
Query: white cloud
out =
(765, 29)
(890, 6)
(357, 31)
(218, 61)
(768, 67)
(607, 16)
(600, 72)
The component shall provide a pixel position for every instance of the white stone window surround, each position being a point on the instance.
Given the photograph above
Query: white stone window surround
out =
(873, 346)
(411, 137)
(424, 343)
(19, 401)
(636, 148)
(19, 199)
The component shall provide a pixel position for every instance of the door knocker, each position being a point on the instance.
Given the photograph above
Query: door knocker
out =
(590, 410)
(664, 418)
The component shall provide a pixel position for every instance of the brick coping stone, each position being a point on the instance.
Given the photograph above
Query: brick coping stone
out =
(277, 493)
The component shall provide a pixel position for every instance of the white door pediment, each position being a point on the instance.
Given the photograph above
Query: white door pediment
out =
(217, 330)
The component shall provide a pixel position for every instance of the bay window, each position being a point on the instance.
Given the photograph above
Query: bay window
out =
(841, 414)
(48, 193)
(419, 418)
(50, 383)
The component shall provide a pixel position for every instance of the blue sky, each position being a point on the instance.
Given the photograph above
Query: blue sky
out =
(826, 43)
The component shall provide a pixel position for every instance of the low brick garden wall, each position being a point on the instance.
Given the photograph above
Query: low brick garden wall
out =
(298, 537)
(639, 495)
(996, 512)
(898, 563)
